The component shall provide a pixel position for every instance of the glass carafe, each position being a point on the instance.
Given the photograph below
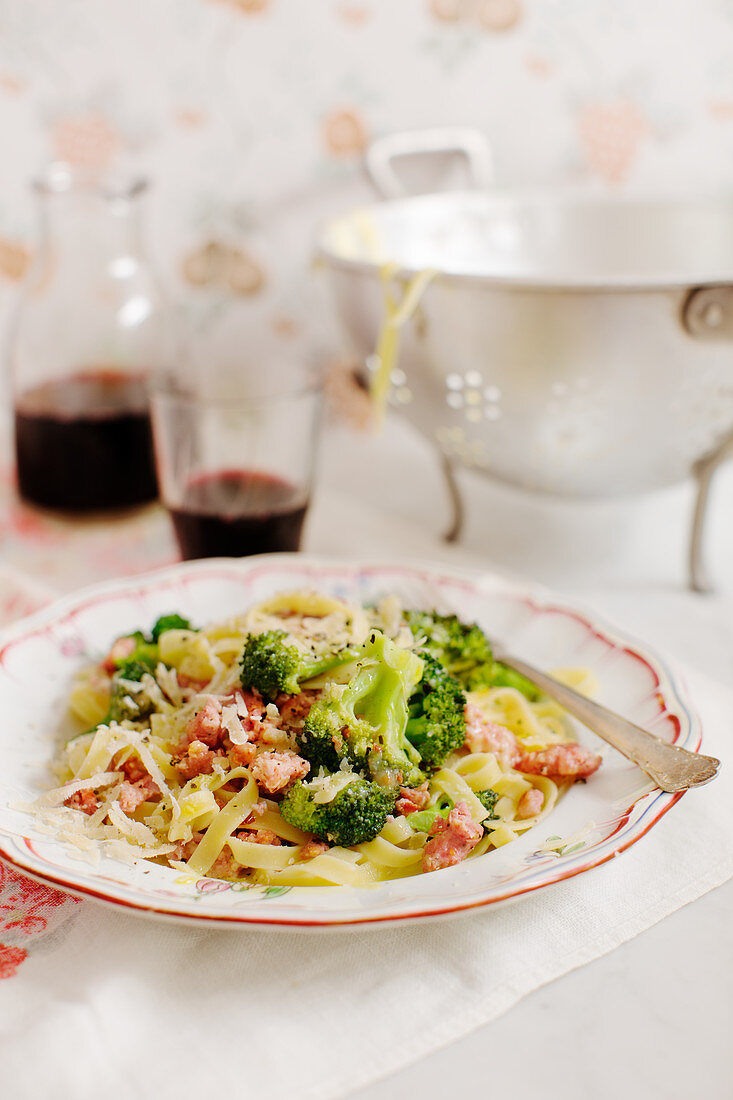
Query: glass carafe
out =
(90, 326)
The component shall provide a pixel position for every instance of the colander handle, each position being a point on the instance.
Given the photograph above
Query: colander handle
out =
(707, 312)
(464, 141)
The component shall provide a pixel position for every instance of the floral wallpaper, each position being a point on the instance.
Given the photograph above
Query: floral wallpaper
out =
(251, 118)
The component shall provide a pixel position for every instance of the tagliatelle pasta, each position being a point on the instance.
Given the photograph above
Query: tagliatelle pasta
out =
(397, 312)
(207, 750)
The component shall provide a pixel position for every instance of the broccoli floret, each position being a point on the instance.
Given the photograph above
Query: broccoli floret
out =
(146, 645)
(357, 813)
(169, 622)
(272, 665)
(321, 740)
(127, 702)
(364, 721)
(145, 652)
(488, 799)
(465, 651)
(131, 669)
(437, 724)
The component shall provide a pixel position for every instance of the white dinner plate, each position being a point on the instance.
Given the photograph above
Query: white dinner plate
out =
(591, 824)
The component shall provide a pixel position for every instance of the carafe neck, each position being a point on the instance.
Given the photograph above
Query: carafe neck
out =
(97, 218)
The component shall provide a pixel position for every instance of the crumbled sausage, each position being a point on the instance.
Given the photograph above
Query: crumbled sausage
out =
(259, 836)
(452, 840)
(529, 804)
(412, 799)
(205, 725)
(313, 848)
(274, 771)
(560, 762)
(85, 800)
(133, 794)
(199, 760)
(241, 756)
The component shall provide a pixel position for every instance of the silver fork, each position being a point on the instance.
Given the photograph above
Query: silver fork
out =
(670, 767)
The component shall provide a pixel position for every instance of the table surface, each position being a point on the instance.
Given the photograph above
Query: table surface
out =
(658, 1008)
(660, 1005)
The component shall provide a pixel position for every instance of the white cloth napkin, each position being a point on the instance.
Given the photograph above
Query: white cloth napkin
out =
(114, 1005)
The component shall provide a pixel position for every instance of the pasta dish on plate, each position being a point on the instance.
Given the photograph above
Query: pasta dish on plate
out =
(310, 741)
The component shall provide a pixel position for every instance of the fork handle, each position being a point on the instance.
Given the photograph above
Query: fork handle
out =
(672, 768)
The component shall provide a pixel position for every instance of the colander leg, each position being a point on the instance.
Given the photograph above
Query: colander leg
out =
(453, 532)
(704, 472)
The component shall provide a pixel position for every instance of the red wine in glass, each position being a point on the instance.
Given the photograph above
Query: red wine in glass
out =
(233, 513)
(85, 442)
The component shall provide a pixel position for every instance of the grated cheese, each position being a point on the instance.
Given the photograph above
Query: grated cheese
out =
(60, 794)
(232, 723)
(326, 787)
